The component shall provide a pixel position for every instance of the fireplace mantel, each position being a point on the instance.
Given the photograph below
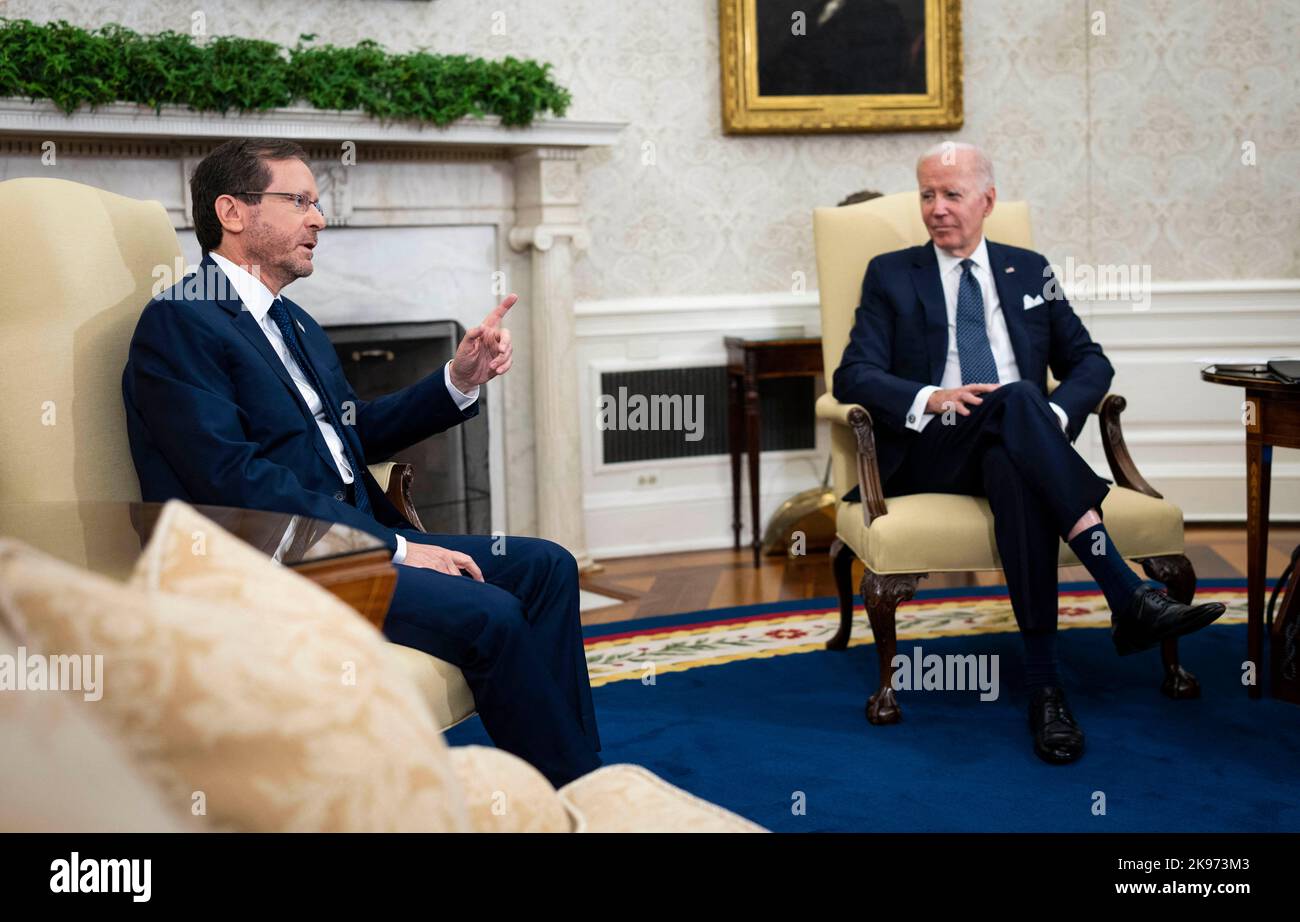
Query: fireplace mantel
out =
(454, 212)
(300, 123)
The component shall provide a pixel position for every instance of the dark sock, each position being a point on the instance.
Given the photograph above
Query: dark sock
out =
(1040, 658)
(1117, 581)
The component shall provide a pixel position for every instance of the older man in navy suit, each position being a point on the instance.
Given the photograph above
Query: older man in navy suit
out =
(234, 396)
(949, 351)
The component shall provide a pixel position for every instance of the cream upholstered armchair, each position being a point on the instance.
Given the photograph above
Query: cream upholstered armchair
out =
(902, 539)
(78, 265)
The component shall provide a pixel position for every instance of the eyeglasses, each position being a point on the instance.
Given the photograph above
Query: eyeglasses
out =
(300, 201)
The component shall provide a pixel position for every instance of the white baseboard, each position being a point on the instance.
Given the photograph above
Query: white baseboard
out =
(670, 527)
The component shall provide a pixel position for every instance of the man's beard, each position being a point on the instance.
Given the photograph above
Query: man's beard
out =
(272, 254)
(299, 269)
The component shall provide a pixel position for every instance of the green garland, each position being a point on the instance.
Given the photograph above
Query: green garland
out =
(74, 66)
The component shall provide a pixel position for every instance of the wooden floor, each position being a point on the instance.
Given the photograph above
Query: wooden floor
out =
(669, 584)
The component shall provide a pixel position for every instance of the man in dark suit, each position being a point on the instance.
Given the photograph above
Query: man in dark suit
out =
(235, 397)
(949, 352)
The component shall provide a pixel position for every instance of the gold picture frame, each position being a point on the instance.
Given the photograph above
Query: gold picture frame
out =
(938, 105)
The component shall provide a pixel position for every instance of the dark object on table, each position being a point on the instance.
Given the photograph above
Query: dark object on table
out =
(1285, 370)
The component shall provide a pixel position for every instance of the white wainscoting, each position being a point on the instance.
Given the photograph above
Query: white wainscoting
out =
(1186, 435)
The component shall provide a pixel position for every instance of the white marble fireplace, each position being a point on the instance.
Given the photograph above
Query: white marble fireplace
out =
(424, 224)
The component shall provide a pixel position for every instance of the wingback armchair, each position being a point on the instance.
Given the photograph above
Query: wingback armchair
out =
(78, 265)
(901, 539)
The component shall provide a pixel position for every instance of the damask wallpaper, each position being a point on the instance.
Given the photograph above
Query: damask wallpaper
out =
(1160, 132)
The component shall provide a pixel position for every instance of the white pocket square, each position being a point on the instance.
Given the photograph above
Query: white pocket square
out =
(1032, 302)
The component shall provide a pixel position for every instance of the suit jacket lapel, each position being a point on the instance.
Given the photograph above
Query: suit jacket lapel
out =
(225, 297)
(246, 325)
(1013, 305)
(224, 294)
(321, 360)
(925, 276)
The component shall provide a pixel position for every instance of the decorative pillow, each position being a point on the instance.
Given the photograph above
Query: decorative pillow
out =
(61, 771)
(254, 697)
(503, 793)
(628, 798)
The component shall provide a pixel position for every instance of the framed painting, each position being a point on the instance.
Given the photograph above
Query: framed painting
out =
(803, 66)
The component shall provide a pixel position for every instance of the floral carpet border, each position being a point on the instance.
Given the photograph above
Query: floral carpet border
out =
(716, 639)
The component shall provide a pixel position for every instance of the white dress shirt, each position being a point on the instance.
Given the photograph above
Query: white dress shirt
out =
(257, 300)
(995, 323)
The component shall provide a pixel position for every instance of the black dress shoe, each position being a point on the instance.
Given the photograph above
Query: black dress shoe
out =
(1057, 737)
(1151, 616)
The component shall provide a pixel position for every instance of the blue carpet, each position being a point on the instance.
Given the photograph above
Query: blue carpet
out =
(763, 735)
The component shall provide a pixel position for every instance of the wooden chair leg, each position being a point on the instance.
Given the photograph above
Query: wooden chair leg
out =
(842, 558)
(1176, 572)
(399, 493)
(882, 595)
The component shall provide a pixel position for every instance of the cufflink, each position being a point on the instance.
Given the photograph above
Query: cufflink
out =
(911, 417)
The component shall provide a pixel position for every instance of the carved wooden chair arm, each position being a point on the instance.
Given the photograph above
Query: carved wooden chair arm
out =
(1122, 467)
(859, 421)
(394, 478)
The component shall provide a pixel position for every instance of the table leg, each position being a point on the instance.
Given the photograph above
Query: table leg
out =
(1259, 466)
(752, 431)
(735, 436)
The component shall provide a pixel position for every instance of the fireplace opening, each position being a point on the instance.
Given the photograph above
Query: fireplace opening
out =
(451, 491)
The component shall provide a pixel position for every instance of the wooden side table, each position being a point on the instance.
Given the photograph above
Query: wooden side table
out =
(365, 580)
(748, 362)
(106, 537)
(1271, 413)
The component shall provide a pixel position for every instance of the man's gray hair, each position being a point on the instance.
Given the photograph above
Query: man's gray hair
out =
(949, 149)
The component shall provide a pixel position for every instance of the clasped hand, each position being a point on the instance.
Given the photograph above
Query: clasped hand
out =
(958, 398)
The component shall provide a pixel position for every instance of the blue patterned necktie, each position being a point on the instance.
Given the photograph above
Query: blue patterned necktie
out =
(280, 314)
(973, 349)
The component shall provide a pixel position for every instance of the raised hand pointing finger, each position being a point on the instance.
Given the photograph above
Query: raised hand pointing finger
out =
(499, 312)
